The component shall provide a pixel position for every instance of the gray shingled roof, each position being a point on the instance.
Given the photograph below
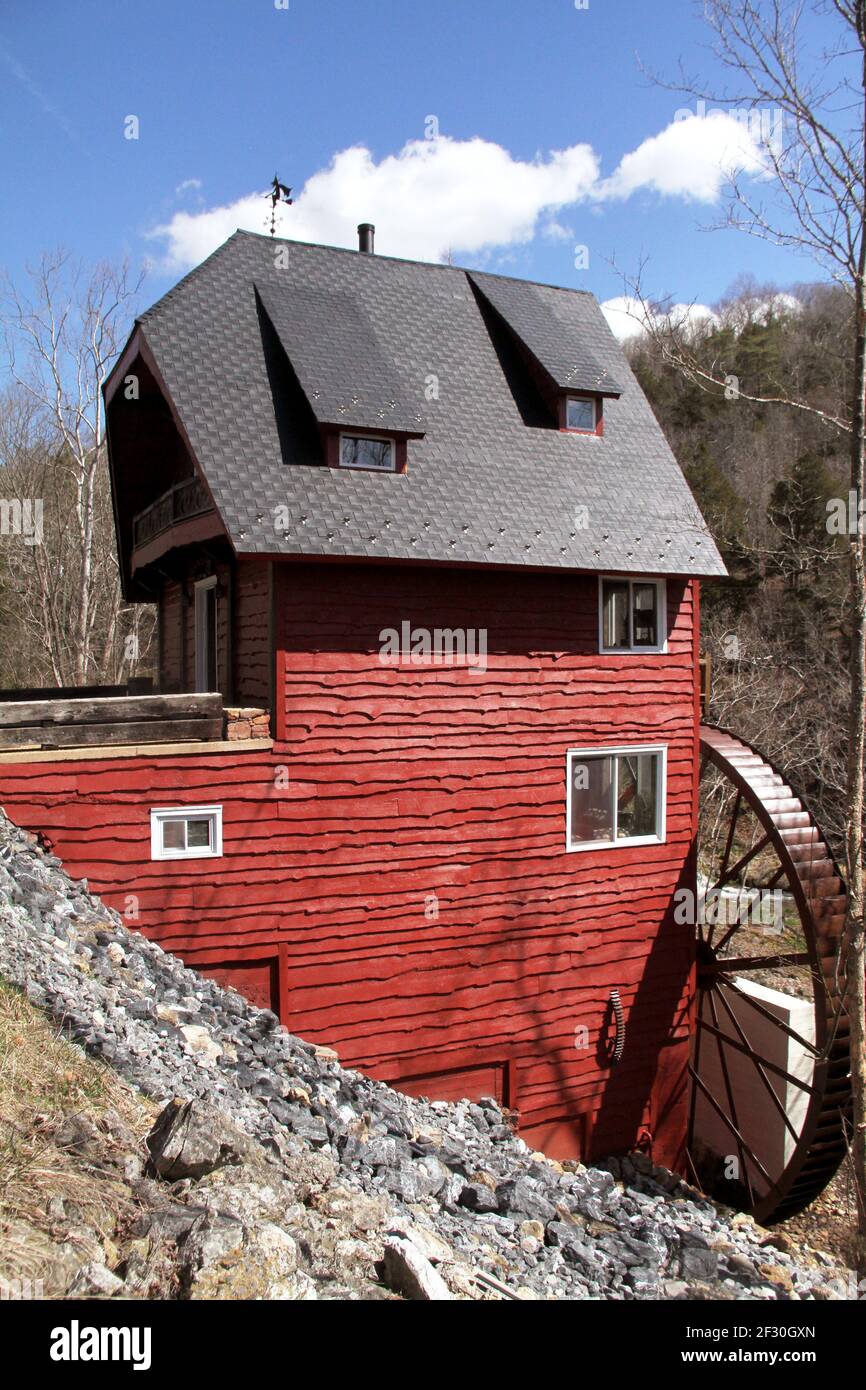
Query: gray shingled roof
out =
(344, 374)
(545, 327)
(482, 486)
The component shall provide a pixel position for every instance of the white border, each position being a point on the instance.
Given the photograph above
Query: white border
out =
(367, 467)
(161, 814)
(661, 807)
(201, 588)
(662, 606)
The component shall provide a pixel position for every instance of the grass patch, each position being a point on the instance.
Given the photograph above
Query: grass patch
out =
(67, 1128)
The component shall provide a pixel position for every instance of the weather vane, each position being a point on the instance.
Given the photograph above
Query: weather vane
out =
(279, 194)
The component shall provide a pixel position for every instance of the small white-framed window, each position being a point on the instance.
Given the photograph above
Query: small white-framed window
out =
(615, 796)
(581, 413)
(632, 614)
(186, 832)
(206, 630)
(377, 452)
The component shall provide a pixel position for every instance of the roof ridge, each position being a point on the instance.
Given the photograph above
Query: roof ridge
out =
(536, 284)
(409, 260)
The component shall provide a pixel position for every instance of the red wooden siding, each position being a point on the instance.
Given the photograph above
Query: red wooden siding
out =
(171, 661)
(472, 1083)
(412, 782)
(244, 662)
(409, 888)
(258, 980)
(252, 640)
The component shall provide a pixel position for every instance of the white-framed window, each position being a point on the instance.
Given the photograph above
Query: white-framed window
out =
(186, 832)
(206, 664)
(378, 452)
(615, 796)
(581, 413)
(632, 614)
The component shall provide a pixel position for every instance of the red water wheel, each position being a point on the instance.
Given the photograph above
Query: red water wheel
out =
(771, 1097)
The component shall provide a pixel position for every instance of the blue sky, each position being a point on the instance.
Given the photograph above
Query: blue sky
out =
(227, 91)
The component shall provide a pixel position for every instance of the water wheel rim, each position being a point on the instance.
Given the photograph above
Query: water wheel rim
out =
(811, 1165)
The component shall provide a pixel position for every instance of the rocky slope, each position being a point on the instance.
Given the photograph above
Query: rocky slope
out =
(274, 1172)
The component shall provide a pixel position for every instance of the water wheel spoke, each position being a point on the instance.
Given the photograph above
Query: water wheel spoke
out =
(795, 1134)
(732, 1104)
(726, 1120)
(761, 1009)
(742, 919)
(734, 927)
(732, 873)
(696, 1061)
(726, 859)
(743, 916)
(696, 1177)
(751, 1054)
(743, 964)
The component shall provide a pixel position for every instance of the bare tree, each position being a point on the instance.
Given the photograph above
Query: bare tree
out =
(61, 337)
(811, 201)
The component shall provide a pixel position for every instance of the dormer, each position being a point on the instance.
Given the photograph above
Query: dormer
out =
(361, 408)
(565, 373)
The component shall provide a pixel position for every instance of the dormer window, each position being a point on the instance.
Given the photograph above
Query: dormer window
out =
(581, 413)
(368, 451)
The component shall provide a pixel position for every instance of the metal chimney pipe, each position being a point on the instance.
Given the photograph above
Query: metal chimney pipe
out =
(367, 238)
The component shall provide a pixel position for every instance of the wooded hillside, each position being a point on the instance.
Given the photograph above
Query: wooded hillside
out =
(763, 475)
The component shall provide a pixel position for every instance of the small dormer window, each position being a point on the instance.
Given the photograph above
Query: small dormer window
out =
(368, 451)
(581, 413)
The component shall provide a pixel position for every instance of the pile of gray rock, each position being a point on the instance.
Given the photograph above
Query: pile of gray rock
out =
(456, 1204)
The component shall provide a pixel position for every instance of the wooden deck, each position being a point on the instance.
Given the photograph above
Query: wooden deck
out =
(103, 721)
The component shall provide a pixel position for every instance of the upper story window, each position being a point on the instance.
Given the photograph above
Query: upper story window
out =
(581, 413)
(632, 615)
(186, 832)
(616, 796)
(368, 451)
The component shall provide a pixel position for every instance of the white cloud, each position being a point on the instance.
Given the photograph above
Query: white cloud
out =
(557, 231)
(432, 197)
(624, 316)
(627, 318)
(692, 158)
(188, 186)
(469, 196)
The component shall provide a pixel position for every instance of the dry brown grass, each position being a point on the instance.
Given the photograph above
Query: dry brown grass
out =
(67, 1125)
(830, 1223)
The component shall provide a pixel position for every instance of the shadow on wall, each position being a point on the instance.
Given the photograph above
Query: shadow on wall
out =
(609, 1107)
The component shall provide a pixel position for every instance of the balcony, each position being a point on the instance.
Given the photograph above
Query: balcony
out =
(183, 502)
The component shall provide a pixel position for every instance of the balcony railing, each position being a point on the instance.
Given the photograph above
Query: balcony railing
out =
(183, 501)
